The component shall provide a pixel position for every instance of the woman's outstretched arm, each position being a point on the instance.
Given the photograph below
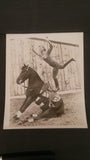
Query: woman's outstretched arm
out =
(35, 52)
(44, 40)
(50, 46)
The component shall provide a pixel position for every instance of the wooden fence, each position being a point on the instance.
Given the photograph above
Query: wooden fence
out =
(21, 52)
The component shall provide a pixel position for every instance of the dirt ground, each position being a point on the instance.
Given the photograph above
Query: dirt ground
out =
(73, 117)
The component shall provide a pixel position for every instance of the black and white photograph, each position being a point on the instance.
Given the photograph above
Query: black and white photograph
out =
(44, 85)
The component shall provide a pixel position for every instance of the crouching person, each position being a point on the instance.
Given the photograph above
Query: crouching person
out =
(54, 109)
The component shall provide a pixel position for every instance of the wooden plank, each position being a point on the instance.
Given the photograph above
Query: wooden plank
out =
(22, 61)
(68, 70)
(18, 64)
(66, 58)
(57, 42)
(14, 65)
(62, 71)
(74, 66)
(11, 75)
(59, 76)
(78, 69)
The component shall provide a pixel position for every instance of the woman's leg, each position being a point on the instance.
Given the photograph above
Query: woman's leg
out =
(60, 66)
(55, 64)
(55, 72)
(64, 65)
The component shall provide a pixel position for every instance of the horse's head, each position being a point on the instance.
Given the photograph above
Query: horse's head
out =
(23, 75)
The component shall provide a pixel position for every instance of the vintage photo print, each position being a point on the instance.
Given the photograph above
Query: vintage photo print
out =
(44, 81)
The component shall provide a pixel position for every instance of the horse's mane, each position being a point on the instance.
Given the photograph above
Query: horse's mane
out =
(27, 67)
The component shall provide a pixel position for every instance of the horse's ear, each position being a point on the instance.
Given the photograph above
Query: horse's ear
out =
(27, 66)
(24, 65)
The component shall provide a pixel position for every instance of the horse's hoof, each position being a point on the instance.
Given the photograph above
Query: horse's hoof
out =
(34, 115)
(30, 120)
(15, 119)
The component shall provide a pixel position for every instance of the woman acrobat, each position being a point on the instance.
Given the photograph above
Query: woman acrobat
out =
(45, 55)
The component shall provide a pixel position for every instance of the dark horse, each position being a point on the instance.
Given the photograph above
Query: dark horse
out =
(35, 85)
(34, 92)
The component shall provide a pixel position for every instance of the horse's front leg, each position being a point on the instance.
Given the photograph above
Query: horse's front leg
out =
(24, 106)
